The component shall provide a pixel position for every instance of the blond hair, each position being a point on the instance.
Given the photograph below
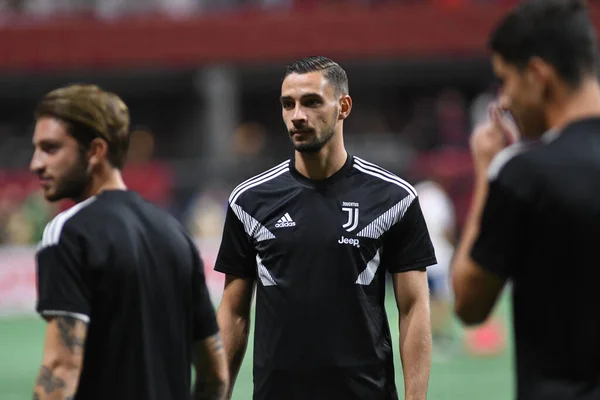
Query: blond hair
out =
(90, 113)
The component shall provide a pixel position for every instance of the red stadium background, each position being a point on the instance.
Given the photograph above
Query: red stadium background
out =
(202, 87)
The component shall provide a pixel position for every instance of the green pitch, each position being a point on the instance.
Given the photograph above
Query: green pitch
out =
(458, 378)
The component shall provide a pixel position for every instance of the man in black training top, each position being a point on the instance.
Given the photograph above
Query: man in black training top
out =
(317, 235)
(120, 284)
(535, 218)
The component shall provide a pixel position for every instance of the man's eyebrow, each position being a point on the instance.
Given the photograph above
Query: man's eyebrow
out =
(303, 96)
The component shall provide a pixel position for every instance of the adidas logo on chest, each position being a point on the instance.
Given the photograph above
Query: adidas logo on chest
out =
(285, 222)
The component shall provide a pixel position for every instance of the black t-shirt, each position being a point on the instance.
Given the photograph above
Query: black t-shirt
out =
(541, 229)
(319, 251)
(130, 270)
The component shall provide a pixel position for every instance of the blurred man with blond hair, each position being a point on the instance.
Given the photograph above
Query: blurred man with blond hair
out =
(120, 284)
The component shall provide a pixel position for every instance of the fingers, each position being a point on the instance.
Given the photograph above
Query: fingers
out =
(504, 124)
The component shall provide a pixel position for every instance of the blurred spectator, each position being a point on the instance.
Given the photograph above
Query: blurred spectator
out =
(451, 118)
(206, 215)
(141, 146)
(479, 107)
(23, 210)
(440, 218)
(179, 8)
(151, 178)
(19, 230)
(452, 169)
(12, 6)
(8, 205)
(38, 211)
(249, 140)
(421, 128)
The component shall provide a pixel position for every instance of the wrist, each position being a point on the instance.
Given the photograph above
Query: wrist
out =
(415, 397)
(481, 169)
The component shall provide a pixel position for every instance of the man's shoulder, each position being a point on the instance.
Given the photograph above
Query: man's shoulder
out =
(67, 223)
(385, 181)
(518, 163)
(253, 185)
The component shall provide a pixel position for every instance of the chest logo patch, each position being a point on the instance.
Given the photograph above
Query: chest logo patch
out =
(351, 209)
(353, 242)
(285, 222)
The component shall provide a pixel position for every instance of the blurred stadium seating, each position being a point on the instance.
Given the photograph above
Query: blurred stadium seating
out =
(201, 78)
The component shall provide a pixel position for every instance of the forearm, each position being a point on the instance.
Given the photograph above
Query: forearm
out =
(56, 383)
(235, 330)
(415, 350)
(212, 374)
(210, 390)
(475, 292)
(471, 229)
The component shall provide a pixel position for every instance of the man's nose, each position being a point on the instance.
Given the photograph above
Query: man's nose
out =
(299, 116)
(36, 165)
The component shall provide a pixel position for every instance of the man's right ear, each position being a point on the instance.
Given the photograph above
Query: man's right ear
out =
(345, 107)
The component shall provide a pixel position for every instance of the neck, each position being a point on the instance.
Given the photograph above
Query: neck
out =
(583, 102)
(109, 180)
(321, 165)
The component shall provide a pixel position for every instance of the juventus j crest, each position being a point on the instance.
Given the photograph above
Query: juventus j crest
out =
(352, 210)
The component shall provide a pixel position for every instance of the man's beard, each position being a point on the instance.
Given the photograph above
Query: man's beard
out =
(317, 143)
(74, 183)
(533, 126)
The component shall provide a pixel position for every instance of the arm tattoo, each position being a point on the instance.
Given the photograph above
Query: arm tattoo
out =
(49, 382)
(68, 334)
(210, 387)
(217, 342)
(50, 385)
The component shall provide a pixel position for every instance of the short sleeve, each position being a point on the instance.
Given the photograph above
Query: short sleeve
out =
(499, 247)
(205, 321)
(407, 245)
(61, 283)
(237, 254)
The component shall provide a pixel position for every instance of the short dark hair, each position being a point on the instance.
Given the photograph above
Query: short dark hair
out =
(558, 31)
(330, 69)
(90, 113)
